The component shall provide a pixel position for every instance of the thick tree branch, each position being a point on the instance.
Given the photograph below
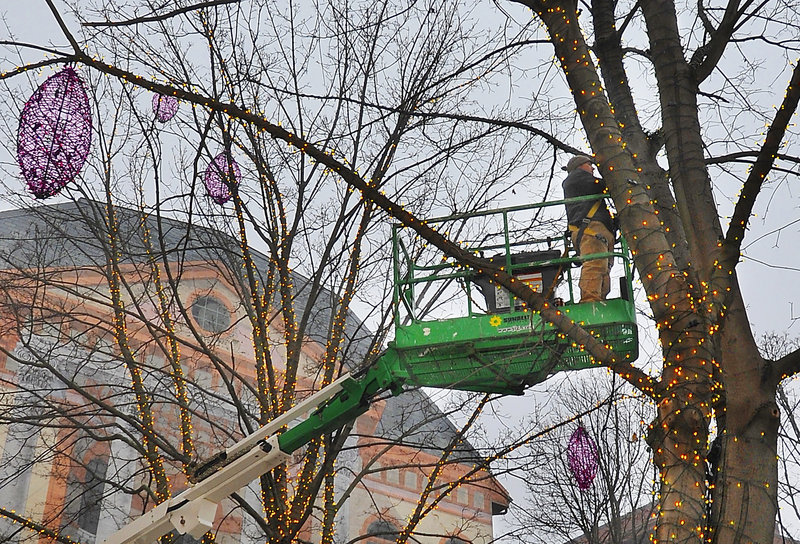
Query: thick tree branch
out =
(788, 365)
(731, 157)
(22, 69)
(628, 18)
(706, 57)
(684, 144)
(609, 50)
(758, 173)
(639, 221)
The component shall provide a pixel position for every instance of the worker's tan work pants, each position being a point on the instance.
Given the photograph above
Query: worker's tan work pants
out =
(595, 282)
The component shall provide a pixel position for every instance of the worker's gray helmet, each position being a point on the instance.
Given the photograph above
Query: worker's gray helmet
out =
(576, 161)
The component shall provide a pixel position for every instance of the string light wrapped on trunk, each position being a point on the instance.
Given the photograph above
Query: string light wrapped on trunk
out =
(165, 107)
(55, 133)
(582, 458)
(221, 176)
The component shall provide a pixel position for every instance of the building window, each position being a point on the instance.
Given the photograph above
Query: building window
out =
(381, 532)
(211, 314)
(410, 480)
(92, 495)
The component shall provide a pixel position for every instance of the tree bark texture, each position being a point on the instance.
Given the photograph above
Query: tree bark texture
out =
(710, 359)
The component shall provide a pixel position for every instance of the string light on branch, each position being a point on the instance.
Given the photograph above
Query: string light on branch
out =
(221, 176)
(165, 107)
(582, 458)
(55, 133)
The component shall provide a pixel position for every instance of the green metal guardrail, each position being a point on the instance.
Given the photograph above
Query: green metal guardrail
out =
(503, 348)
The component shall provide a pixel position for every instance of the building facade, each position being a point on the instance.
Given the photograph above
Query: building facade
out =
(128, 352)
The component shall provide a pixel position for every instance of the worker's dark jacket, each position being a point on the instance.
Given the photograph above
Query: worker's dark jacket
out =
(582, 183)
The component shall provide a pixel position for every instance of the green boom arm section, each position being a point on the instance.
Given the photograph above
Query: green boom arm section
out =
(354, 398)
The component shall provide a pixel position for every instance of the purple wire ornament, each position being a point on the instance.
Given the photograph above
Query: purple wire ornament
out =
(582, 458)
(55, 133)
(165, 107)
(220, 177)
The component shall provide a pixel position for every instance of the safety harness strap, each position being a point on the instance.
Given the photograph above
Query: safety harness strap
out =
(583, 228)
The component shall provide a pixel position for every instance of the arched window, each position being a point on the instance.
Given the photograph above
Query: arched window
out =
(84, 493)
(211, 314)
(381, 531)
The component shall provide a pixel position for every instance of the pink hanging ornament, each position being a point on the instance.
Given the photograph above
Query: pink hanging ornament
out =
(582, 458)
(220, 177)
(55, 133)
(165, 107)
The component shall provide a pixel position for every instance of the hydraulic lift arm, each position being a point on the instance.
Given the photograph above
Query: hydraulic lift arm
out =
(193, 510)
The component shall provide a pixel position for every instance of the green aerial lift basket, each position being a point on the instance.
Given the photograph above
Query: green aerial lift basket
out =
(487, 342)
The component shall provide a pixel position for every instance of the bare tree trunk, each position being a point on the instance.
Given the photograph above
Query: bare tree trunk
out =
(745, 475)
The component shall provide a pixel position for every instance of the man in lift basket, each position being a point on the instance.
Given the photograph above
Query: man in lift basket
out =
(591, 227)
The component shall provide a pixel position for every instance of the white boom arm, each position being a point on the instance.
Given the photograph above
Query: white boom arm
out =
(193, 510)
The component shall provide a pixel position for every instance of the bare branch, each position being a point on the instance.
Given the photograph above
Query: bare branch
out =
(162, 17)
(22, 69)
(35, 47)
(706, 57)
(628, 18)
(60, 20)
(743, 154)
(37, 527)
